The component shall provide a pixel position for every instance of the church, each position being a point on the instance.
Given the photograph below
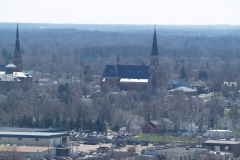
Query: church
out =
(12, 75)
(133, 77)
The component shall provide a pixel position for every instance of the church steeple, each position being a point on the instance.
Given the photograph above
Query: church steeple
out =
(17, 45)
(154, 67)
(154, 51)
(117, 59)
(17, 56)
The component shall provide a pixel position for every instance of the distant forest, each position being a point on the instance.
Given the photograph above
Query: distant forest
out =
(134, 46)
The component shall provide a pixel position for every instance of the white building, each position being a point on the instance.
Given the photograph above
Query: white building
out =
(34, 138)
(224, 123)
(217, 133)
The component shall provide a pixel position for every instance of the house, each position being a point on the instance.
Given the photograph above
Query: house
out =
(230, 84)
(172, 84)
(183, 83)
(43, 81)
(166, 124)
(132, 77)
(230, 88)
(231, 103)
(152, 127)
(134, 125)
(224, 123)
(201, 87)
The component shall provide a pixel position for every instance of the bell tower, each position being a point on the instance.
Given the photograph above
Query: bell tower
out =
(17, 56)
(154, 67)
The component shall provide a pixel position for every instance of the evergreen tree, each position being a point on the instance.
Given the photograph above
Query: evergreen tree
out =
(13, 121)
(57, 122)
(30, 121)
(202, 74)
(64, 123)
(19, 121)
(71, 124)
(183, 74)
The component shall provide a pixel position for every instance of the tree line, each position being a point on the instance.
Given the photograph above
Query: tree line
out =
(29, 121)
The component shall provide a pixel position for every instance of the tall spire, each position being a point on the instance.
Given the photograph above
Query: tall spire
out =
(154, 51)
(17, 56)
(117, 59)
(17, 45)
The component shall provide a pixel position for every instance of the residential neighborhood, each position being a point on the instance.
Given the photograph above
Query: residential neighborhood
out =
(152, 82)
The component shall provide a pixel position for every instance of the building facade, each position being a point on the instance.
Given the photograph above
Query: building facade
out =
(12, 75)
(34, 138)
(133, 77)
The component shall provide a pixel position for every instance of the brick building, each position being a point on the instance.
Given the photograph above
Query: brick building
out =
(133, 77)
(12, 75)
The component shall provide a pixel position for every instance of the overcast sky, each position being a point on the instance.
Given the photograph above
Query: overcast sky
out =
(121, 11)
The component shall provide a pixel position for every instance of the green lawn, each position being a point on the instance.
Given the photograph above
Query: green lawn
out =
(146, 137)
(227, 112)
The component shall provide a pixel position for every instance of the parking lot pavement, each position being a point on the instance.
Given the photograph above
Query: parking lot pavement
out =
(86, 148)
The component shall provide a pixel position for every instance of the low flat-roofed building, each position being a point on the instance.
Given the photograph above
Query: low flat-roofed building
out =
(53, 139)
(33, 152)
(222, 144)
(177, 153)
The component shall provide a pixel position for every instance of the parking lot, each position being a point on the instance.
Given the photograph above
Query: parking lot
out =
(87, 148)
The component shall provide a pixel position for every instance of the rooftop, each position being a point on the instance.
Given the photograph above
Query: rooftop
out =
(178, 150)
(32, 134)
(29, 149)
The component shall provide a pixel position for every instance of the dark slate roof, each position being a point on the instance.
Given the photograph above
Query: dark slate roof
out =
(154, 51)
(126, 71)
(2, 67)
(155, 123)
(183, 83)
(133, 71)
(109, 71)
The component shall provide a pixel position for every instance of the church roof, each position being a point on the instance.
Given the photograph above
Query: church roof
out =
(133, 71)
(109, 71)
(126, 71)
(2, 67)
